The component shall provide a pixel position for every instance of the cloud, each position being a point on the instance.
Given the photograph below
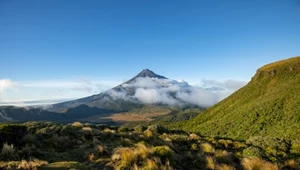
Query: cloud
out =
(83, 88)
(83, 84)
(7, 84)
(171, 92)
(147, 90)
(37, 90)
(198, 96)
(234, 85)
(154, 95)
(227, 84)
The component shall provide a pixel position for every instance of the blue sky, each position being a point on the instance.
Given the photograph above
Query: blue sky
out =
(54, 49)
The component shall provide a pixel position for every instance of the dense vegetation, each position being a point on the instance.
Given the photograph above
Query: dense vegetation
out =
(48, 145)
(268, 106)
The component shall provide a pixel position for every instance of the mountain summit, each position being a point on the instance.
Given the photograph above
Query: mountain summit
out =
(146, 73)
(149, 73)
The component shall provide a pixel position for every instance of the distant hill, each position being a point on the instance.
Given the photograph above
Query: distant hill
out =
(269, 105)
(21, 114)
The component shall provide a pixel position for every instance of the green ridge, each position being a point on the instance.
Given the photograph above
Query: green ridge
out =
(269, 105)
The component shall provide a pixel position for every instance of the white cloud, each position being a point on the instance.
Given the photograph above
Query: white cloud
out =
(227, 84)
(233, 84)
(166, 91)
(154, 95)
(52, 89)
(7, 84)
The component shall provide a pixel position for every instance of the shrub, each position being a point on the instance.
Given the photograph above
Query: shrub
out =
(252, 152)
(123, 129)
(269, 142)
(157, 129)
(29, 139)
(207, 148)
(8, 151)
(178, 137)
(148, 133)
(68, 130)
(194, 147)
(224, 157)
(12, 133)
(164, 153)
(295, 148)
(126, 142)
(30, 151)
(165, 137)
(139, 128)
(61, 143)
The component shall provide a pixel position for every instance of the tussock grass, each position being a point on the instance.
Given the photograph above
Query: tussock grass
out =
(8, 150)
(224, 157)
(210, 162)
(224, 167)
(33, 164)
(77, 124)
(194, 136)
(133, 150)
(257, 164)
(125, 156)
(87, 129)
(207, 148)
(148, 133)
(291, 164)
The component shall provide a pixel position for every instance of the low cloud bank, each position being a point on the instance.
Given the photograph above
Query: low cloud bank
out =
(172, 92)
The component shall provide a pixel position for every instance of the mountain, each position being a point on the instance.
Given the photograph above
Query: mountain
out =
(20, 114)
(269, 105)
(143, 97)
(143, 89)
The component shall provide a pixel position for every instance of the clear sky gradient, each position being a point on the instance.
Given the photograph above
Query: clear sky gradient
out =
(72, 41)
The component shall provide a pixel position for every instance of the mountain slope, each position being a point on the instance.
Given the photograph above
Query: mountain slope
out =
(269, 105)
(106, 100)
(145, 88)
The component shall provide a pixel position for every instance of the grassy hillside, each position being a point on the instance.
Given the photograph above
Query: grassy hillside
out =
(53, 146)
(269, 105)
